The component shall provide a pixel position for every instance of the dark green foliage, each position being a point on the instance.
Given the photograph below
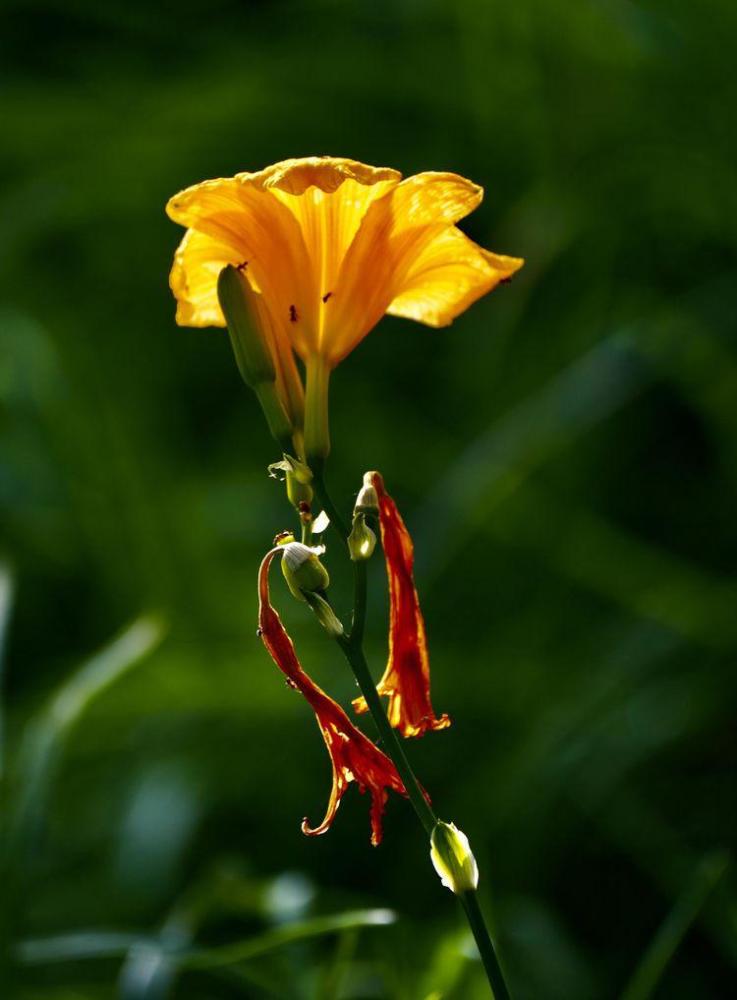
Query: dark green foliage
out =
(565, 455)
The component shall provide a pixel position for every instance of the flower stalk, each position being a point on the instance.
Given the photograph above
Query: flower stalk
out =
(352, 646)
(264, 255)
(317, 432)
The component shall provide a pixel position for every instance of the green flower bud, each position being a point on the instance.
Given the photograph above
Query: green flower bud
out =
(302, 569)
(298, 477)
(452, 858)
(362, 540)
(239, 304)
(298, 492)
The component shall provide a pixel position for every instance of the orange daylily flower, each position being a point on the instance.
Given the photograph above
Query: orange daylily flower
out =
(406, 680)
(353, 756)
(332, 244)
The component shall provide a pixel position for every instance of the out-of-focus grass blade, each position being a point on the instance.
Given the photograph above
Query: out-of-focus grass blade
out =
(495, 463)
(151, 967)
(648, 580)
(73, 947)
(6, 606)
(153, 964)
(243, 951)
(675, 926)
(148, 972)
(663, 856)
(446, 965)
(331, 986)
(45, 736)
(99, 673)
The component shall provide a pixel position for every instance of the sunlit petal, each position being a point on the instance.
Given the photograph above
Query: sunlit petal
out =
(444, 278)
(197, 262)
(333, 244)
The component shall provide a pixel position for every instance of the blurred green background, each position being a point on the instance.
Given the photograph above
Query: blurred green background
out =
(565, 456)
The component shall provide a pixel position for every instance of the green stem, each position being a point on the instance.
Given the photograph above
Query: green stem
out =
(470, 903)
(318, 484)
(317, 431)
(352, 646)
(392, 747)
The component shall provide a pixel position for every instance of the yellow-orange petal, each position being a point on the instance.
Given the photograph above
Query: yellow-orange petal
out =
(264, 233)
(193, 279)
(444, 278)
(394, 231)
(432, 197)
(324, 172)
(329, 197)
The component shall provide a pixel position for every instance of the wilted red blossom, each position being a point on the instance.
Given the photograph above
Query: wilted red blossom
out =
(406, 680)
(353, 756)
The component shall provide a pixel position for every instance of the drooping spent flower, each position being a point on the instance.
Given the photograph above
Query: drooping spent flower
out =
(406, 679)
(352, 754)
(331, 245)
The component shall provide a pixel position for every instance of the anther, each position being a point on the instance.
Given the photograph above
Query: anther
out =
(293, 314)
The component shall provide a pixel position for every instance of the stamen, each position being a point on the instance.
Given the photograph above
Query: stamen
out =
(293, 314)
(242, 266)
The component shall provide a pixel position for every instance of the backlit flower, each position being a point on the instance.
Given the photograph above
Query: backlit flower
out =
(332, 245)
(329, 245)
(406, 680)
(353, 756)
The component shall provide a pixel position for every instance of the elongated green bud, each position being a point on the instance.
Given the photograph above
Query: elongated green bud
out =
(253, 354)
(252, 351)
(452, 858)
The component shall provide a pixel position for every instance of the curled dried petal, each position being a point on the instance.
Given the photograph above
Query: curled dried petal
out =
(406, 680)
(352, 754)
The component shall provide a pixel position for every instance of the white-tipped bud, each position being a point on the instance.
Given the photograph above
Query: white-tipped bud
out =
(302, 569)
(453, 859)
(367, 501)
